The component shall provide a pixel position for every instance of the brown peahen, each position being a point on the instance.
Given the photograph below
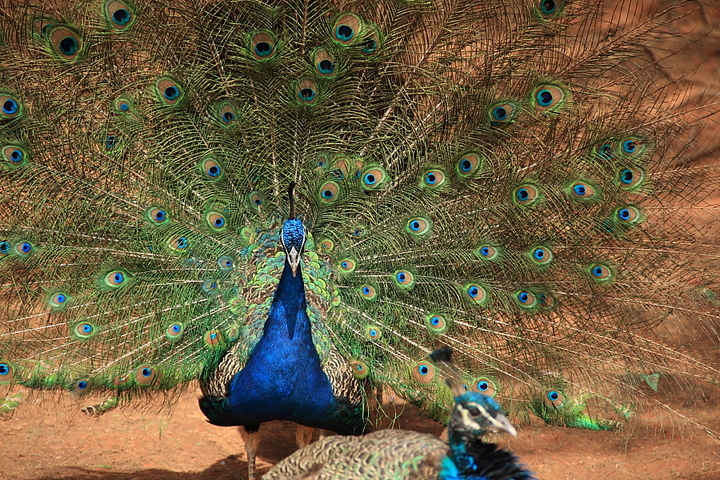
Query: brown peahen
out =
(293, 202)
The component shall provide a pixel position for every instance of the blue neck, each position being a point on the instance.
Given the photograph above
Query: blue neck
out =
(472, 459)
(289, 310)
(283, 378)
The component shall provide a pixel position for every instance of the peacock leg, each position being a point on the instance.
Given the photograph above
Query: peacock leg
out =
(251, 437)
(303, 436)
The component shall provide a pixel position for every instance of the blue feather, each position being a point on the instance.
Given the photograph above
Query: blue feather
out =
(283, 378)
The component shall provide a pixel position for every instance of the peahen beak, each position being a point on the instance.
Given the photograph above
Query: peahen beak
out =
(502, 423)
(293, 257)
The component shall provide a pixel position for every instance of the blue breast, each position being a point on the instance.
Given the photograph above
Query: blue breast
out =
(283, 379)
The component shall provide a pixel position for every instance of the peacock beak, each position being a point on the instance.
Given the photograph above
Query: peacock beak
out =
(293, 257)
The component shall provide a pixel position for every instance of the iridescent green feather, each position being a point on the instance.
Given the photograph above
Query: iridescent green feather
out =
(157, 142)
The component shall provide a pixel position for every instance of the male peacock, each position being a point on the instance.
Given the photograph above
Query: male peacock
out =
(403, 454)
(516, 179)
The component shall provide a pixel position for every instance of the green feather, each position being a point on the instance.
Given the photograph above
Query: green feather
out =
(517, 181)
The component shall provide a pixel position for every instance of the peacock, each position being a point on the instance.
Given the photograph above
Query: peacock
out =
(409, 455)
(294, 201)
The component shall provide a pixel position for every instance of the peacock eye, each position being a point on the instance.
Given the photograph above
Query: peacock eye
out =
(474, 411)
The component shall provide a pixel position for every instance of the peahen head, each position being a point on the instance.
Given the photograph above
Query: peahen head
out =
(475, 414)
(293, 236)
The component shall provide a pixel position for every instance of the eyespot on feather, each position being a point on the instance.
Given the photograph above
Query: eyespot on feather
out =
(347, 265)
(403, 279)
(550, 98)
(526, 195)
(213, 339)
(10, 107)
(119, 15)
(631, 178)
(226, 113)
(358, 231)
(256, 200)
(423, 372)
(169, 92)
(216, 221)
(327, 246)
(368, 292)
(226, 263)
(582, 190)
(433, 178)
(546, 301)
(324, 63)
(373, 333)
(541, 255)
(306, 91)
(601, 273)
(437, 324)
(418, 226)
(210, 168)
(157, 216)
(42, 26)
(7, 372)
(633, 147)
(347, 28)
(115, 278)
(477, 293)
(146, 375)
(232, 334)
(210, 285)
(65, 42)
(554, 399)
(550, 9)
(370, 42)
(359, 369)
(502, 113)
(84, 330)
(262, 45)
(174, 331)
(525, 299)
(329, 192)
(178, 242)
(374, 178)
(24, 248)
(487, 252)
(80, 387)
(605, 151)
(629, 215)
(123, 105)
(469, 164)
(58, 300)
(484, 385)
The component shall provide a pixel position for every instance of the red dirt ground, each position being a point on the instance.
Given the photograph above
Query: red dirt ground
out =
(45, 442)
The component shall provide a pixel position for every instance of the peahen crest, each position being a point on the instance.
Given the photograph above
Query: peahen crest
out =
(515, 179)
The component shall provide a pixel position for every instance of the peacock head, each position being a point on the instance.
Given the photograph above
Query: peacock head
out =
(292, 237)
(475, 414)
